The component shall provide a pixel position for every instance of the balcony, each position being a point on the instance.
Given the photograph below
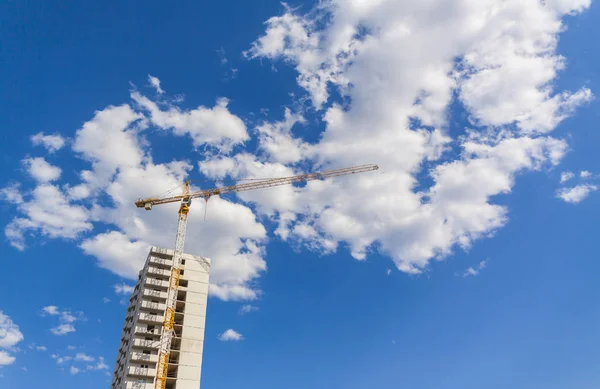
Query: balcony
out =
(146, 343)
(141, 371)
(141, 357)
(155, 271)
(146, 384)
(160, 261)
(153, 305)
(157, 283)
(155, 293)
(151, 317)
(139, 330)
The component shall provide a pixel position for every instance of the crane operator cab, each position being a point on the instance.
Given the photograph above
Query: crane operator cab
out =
(185, 205)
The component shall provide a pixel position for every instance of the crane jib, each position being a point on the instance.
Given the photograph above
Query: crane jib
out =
(267, 183)
(185, 198)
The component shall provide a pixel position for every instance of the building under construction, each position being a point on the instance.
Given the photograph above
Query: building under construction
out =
(138, 358)
(163, 337)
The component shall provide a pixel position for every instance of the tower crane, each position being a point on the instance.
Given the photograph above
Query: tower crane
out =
(185, 200)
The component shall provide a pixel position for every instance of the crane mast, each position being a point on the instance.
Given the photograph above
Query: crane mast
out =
(185, 200)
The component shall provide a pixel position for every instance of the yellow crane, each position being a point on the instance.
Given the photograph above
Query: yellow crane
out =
(185, 200)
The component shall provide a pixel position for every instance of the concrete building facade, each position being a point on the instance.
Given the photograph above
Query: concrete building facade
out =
(135, 367)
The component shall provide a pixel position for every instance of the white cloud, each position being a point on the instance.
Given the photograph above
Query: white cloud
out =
(71, 347)
(585, 174)
(100, 365)
(473, 271)
(41, 348)
(568, 6)
(109, 141)
(230, 335)
(293, 38)
(48, 212)
(155, 83)
(61, 360)
(91, 363)
(78, 192)
(6, 358)
(66, 319)
(51, 310)
(576, 194)
(245, 309)
(52, 143)
(63, 329)
(12, 194)
(277, 142)
(123, 289)
(41, 170)
(10, 335)
(84, 357)
(116, 252)
(566, 176)
(105, 300)
(388, 272)
(496, 58)
(206, 126)
(397, 111)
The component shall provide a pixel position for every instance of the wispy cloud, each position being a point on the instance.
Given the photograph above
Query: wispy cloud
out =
(245, 309)
(566, 176)
(155, 83)
(123, 289)
(84, 357)
(473, 271)
(80, 360)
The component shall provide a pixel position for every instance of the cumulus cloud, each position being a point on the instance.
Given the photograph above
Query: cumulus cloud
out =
(117, 253)
(230, 336)
(10, 335)
(122, 170)
(63, 329)
(66, 319)
(41, 170)
(576, 194)
(51, 143)
(206, 126)
(48, 212)
(51, 310)
(12, 194)
(398, 118)
(585, 174)
(438, 187)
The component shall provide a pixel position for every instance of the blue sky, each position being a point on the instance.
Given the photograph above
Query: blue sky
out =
(467, 261)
